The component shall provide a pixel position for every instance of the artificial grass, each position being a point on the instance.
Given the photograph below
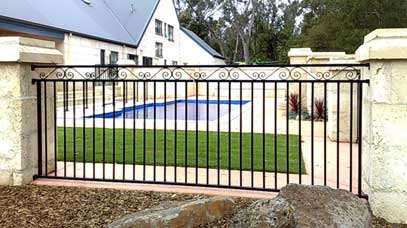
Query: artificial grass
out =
(139, 152)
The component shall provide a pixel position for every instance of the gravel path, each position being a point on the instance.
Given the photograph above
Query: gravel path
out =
(44, 206)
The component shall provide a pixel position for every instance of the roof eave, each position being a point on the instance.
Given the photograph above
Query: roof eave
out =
(68, 31)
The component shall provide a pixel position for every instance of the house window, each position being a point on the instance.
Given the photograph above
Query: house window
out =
(114, 57)
(170, 33)
(174, 63)
(165, 30)
(102, 57)
(134, 58)
(158, 50)
(147, 61)
(158, 27)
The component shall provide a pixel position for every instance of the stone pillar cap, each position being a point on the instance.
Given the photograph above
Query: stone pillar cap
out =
(346, 59)
(383, 44)
(297, 52)
(325, 55)
(29, 50)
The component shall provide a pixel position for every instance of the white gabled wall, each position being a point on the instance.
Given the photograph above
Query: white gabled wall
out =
(166, 13)
(80, 50)
(194, 54)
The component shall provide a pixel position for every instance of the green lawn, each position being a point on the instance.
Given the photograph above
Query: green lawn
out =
(191, 155)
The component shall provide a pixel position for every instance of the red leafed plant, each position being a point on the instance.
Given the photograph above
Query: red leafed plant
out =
(294, 102)
(319, 111)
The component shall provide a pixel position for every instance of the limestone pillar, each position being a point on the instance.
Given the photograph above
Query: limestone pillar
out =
(18, 117)
(300, 56)
(385, 123)
(348, 105)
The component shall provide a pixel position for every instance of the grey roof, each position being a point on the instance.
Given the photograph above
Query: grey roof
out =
(202, 43)
(110, 20)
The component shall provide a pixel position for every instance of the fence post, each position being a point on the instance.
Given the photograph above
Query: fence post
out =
(18, 100)
(385, 123)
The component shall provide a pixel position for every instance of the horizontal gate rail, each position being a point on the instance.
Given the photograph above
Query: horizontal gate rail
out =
(255, 127)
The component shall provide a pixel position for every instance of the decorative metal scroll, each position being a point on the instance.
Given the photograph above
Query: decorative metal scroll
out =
(226, 72)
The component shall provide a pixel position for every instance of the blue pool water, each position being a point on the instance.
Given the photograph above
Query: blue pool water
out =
(195, 110)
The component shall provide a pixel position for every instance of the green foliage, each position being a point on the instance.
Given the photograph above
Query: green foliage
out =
(340, 25)
(323, 25)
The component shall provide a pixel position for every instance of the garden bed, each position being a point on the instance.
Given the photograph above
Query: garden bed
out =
(45, 206)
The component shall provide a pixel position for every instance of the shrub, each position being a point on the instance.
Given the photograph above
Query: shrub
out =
(319, 112)
(294, 102)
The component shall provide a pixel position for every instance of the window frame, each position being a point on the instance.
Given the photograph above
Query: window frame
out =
(170, 33)
(133, 57)
(159, 49)
(158, 27)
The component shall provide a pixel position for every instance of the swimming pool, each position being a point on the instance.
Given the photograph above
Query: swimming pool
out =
(186, 110)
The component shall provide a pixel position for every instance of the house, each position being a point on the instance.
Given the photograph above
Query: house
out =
(108, 31)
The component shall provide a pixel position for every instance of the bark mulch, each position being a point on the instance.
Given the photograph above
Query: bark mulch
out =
(45, 206)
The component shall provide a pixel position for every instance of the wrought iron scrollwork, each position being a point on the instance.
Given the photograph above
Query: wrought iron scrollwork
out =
(204, 72)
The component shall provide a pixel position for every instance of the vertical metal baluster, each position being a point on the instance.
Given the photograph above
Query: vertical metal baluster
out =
(312, 132)
(104, 127)
(74, 129)
(196, 132)
(64, 103)
(145, 85)
(65, 108)
(207, 132)
(94, 130)
(46, 128)
(351, 139)
(165, 131)
(275, 136)
(325, 129)
(155, 132)
(218, 141)
(337, 136)
(176, 131)
(114, 129)
(264, 134)
(39, 127)
(186, 133)
(252, 136)
(241, 135)
(84, 101)
(360, 123)
(87, 95)
(55, 131)
(300, 134)
(124, 130)
(229, 135)
(134, 129)
(288, 133)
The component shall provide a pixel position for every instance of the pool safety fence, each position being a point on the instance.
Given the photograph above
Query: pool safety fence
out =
(256, 127)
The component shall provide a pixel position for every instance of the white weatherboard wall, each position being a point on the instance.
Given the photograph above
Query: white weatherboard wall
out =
(385, 123)
(166, 13)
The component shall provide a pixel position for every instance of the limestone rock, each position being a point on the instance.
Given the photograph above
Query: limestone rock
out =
(307, 206)
(187, 214)
(266, 213)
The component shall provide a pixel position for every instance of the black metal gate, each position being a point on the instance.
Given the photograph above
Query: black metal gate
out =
(230, 126)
